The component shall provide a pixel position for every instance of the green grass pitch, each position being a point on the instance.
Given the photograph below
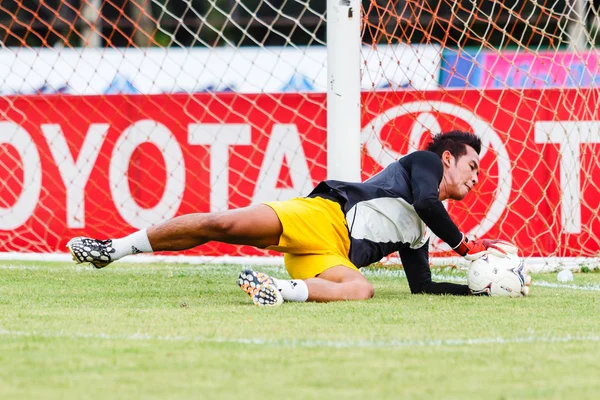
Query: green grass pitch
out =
(135, 331)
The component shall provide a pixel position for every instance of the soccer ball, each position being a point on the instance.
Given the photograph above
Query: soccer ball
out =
(498, 276)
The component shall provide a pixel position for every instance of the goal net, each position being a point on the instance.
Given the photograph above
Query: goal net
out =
(118, 114)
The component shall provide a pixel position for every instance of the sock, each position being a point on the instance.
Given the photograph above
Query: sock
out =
(292, 290)
(133, 244)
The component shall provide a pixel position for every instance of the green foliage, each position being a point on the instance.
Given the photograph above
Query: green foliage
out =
(174, 331)
(162, 39)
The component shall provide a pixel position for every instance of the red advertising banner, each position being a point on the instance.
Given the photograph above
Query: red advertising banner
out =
(105, 166)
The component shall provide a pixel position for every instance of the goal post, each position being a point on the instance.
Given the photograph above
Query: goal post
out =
(116, 115)
(343, 90)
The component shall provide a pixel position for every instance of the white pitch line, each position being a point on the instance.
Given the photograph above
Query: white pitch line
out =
(117, 269)
(369, 272)
(462, 279)
(587, 287)
(301, 343)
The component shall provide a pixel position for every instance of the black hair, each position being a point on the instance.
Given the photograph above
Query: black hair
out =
(454, 142)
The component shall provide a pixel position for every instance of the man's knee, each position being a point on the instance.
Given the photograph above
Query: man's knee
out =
(219, 225)
(257, 226)
(363, 291)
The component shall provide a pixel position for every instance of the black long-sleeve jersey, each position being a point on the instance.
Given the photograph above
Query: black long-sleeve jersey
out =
(391, 212)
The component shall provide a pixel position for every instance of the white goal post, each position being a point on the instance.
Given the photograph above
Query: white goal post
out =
(343, 90)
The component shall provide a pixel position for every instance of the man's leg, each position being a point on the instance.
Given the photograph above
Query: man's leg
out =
(339, 283)
(256, 226)
(334, 284)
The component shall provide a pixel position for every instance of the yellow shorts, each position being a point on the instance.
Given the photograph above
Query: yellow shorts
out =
(315, 236)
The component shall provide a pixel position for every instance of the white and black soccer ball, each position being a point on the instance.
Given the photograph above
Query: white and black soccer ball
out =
(499, 276)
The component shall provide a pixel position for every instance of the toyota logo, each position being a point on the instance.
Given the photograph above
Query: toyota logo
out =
(427, 114)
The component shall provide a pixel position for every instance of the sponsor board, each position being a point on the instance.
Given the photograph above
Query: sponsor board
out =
(509, 69)
(243, 70)
(107, 165)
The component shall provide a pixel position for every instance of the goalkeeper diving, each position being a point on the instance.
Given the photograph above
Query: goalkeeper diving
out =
(327, 236)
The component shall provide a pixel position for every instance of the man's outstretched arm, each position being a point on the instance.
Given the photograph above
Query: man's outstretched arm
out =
(418, 274)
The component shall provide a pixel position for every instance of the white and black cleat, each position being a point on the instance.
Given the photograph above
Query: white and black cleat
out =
(260, 287)
(93, 251)
(267, 295)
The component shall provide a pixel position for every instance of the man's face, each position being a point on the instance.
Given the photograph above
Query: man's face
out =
(460, 176)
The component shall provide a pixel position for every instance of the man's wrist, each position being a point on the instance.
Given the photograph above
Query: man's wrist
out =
(463, 247)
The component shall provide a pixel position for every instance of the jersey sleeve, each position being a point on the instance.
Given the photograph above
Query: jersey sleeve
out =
(426, 171)
(418, 273)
